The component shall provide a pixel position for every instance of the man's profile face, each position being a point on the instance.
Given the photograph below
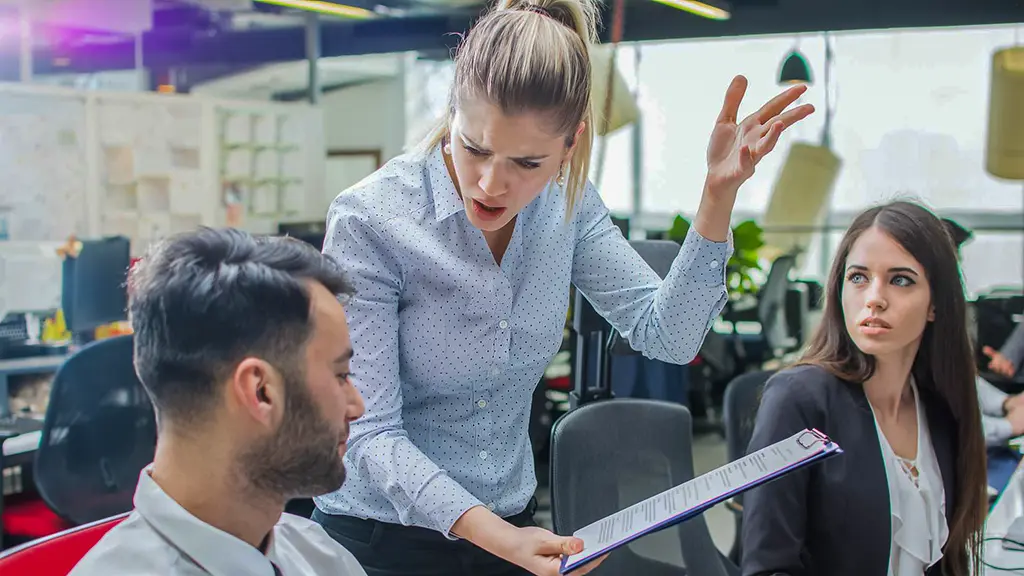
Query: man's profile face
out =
(304, 456)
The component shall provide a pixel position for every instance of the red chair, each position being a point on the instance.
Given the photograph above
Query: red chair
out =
(56, 555)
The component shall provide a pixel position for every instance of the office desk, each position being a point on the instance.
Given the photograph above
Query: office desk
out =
(1008, 508)
(32, 365)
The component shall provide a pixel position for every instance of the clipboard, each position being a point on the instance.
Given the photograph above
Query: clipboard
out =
(694, 497)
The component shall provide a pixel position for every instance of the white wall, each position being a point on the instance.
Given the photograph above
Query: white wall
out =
(363, 117)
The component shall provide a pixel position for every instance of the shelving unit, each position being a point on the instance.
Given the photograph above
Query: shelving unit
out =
(149, 165)
(266, 192)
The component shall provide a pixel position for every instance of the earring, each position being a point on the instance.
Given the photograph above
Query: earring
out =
(447, 148)
(560, 179)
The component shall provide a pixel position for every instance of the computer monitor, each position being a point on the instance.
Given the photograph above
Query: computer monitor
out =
(95, 284)
(309, 232)
(30, 277)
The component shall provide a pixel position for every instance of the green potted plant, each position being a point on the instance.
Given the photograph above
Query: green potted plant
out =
(747, 238)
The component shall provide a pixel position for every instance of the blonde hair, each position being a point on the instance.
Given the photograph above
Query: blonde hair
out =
(532, 56)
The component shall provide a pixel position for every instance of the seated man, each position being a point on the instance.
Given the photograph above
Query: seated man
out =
(243, 346)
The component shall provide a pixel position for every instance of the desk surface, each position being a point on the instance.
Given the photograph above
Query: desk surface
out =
(31, 364)
(1008, 508)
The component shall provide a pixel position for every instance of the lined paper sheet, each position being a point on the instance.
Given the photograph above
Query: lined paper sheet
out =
(693, 497)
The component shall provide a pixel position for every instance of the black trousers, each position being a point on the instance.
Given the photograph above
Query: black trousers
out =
(394, 550)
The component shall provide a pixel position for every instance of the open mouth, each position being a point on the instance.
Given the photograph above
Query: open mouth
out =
(487, 212)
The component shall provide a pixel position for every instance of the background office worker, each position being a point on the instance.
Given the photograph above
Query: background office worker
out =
(889, 375)
(462, 255)
(1002, 414)
(242, 345)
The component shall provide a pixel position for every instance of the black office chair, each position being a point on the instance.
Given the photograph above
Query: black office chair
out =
(742, 399)
(609, 455)
(98, 434)
(770, 313)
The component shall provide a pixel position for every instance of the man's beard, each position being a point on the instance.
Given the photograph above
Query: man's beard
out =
(301, 459)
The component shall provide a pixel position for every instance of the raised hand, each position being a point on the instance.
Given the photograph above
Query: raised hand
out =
(736, 148)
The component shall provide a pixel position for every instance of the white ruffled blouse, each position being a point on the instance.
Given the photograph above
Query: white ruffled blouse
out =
(917, 502)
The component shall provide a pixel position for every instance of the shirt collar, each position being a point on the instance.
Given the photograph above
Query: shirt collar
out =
(215, 551)
(446, 198)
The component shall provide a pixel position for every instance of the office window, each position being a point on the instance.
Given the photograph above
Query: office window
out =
(910, 115)
(682, 87)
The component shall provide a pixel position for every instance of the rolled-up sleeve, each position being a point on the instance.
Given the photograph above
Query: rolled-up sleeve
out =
(666, 319)
(379, 447)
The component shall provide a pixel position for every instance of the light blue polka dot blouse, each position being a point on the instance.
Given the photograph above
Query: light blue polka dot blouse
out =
(450, 346)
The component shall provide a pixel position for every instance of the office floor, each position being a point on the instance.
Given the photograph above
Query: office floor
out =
(708, 454)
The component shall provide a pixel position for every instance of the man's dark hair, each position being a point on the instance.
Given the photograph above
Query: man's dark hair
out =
(958, 233)
(202, 301)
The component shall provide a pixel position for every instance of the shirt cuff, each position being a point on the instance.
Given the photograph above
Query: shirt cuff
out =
(444, 501)
(704, 260)
(999, 430)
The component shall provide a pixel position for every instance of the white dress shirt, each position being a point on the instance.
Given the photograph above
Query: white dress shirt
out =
(993, 419)
(160, 538)
(917, 506)
(450, 346)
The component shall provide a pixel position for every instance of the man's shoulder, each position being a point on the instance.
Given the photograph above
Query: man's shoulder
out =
(131, 547)
(305, 541)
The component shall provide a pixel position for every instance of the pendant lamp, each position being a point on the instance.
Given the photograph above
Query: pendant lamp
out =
(1004, 154)
(800, 196)
(795, 69)
(802, 193)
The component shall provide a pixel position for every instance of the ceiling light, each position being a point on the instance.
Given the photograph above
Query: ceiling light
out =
(713, 9)
(323, 7)
(795, 70)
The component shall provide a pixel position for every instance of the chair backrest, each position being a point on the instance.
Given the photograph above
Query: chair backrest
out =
(609, 455)
(741, 401)
(56, 555)
(98, 434)
(771, 302)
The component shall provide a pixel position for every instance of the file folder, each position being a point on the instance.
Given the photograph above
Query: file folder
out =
(680, 503)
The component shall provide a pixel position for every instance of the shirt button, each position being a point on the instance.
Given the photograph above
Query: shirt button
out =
(490, 506)
(495, 371)
(481, 403)
(714, 264)
(484, 454)
(503, 324)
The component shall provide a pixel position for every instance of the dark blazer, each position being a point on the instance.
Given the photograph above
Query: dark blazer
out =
(831, 518)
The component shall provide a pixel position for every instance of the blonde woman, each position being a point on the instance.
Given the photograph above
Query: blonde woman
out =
(462, 255)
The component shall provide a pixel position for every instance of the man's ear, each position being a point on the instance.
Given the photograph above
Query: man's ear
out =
(256, 389)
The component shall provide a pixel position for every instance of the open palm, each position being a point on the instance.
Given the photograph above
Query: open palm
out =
(736, 148)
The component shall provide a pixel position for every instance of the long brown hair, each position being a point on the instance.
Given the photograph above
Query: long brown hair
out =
(944, 364)
(532, 56)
